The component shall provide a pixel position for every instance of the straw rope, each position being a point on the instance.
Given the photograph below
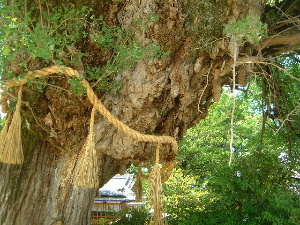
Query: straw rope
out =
(167, 170)
(11, 150)
(3, 133)
(139, 184)
(4, 105)
(97, 103)
(156, 192)
(87, 160)
(87, 165)
(86, 168)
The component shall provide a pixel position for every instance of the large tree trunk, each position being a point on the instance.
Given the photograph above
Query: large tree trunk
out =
(38, 191)
(41, 191)
(162, 97)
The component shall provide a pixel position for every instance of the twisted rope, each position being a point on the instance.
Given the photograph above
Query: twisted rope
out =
(87, 168)
(87, 165)
(157, 192)
(96, 102)
(11, 150)
(4, 105)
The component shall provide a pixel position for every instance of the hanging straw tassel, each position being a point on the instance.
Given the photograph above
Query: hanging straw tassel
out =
(3, 133)
(88, 166)
(4, 105)
(139, 184)
(156, 193)
(11, 150)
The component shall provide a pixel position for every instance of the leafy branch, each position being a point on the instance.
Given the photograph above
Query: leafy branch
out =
(55, 39)
(248, 28)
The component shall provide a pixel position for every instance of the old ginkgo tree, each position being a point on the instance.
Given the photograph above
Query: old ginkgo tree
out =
(92, 86)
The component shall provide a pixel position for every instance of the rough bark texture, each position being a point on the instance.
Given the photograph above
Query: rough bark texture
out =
(40, 192)
(163, 97)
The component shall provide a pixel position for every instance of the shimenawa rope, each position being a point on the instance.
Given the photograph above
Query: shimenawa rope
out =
(156, 192)
(87, 166)
(96, 102)
(11, 150)
(88, 162)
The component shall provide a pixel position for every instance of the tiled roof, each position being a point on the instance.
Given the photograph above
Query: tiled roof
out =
(119, 186)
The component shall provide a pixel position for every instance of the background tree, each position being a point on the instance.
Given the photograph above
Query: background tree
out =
(260, 186)
(114, 45)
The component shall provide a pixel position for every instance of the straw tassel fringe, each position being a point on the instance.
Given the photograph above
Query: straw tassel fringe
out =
(11, 150)
(4, 105)
(4, 132)
(139, 184)
(88, 166)
(156, 193)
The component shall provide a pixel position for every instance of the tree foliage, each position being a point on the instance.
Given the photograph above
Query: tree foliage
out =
(159, 97)
(56, 37)
(259, 187)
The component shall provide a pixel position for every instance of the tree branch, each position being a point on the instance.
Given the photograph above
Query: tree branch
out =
(291, 39)
(288, 48)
